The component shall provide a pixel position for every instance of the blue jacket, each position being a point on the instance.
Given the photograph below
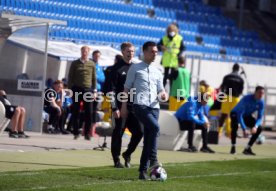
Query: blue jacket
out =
(100, 77)
(192, 110)
(247, 106)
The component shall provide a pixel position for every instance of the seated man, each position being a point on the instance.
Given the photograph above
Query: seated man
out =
(242, 114)
(53, 105)
(190, 116)
(17, 116)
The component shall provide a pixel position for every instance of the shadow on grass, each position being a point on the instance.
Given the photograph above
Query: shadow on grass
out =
(42, 147)
(43, 164)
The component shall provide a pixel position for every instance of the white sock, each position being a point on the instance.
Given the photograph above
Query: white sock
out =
(233, 145)
(247, 146)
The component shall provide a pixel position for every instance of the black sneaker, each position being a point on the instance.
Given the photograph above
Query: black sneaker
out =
(65, 132)
(13, 134)
(76, 137)
(143, 175)
(118, 165)
(127, 160)
(206, 150)
(233, 150)
(248, 152)
(87, 137)
(154, 164)
(192, 149)
(22, 135)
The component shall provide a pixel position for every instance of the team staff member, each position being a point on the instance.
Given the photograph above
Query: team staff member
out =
(242, 114)
(107, 87)
(180, 89)
(100, 82)
(190, 117)
(119, 74)
(146, 79)
(231, 83)
(82, 79)
(172, 46)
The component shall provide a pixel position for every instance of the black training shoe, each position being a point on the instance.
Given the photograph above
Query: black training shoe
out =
(248, 152)
(143, 175)
(192, 149)
(13, 134)
(154, 164)
(76, 137)
(233, 150)
(206, 150)
(127, 160)
(23, 135)
(87, 137)
(118, 165)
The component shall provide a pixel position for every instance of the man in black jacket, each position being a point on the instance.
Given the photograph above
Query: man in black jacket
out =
(119, 73)
(232, 85)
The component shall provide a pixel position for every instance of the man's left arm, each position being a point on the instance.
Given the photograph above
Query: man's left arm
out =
(94, 79)
(160, 88)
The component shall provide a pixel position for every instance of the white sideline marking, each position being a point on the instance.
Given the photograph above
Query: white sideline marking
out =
(131, 181)
(20, 174)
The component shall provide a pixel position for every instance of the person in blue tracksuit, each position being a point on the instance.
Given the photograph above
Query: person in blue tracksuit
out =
(190, 117)
(243, 114)
(100, 81)
(99, 70)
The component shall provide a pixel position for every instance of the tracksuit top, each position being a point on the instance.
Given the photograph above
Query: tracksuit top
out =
(192, 110)
(247, 106)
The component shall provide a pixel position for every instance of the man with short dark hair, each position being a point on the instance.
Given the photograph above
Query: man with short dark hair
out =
(242, 114)
(232, 85)
(119, 75)
(53, 106)
(190, 117)
(100, 82)
(147, 81)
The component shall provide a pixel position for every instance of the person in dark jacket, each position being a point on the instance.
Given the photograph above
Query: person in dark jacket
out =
(232, 85)
(119, 74)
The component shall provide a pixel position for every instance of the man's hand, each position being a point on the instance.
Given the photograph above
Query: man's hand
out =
(206, 124)
(163, 95)
(117, 114)
(245, 133)
(124, 111)
(163, 48)
(254, 130)
(95, 94)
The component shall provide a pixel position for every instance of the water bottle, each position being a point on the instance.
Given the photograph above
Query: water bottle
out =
(29, 124)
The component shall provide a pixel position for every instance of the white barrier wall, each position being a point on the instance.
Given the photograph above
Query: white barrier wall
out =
(33, 114)
(214, 71)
